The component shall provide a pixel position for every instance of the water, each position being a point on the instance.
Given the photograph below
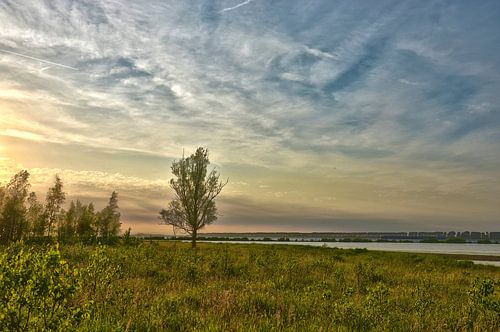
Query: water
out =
(435, 248)
(494, 263)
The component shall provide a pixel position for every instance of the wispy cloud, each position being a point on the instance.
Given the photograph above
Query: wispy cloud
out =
(39, 60)
(236, 7)
(283, 87)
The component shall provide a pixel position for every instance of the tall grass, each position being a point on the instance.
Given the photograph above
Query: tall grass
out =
(250, 287)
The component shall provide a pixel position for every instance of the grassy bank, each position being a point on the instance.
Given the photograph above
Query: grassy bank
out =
(168, 286)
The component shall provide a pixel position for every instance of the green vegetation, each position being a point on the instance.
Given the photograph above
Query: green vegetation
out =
(169, 285)
(166, 285)
(455, 240)
(23, 217)
(193, 206)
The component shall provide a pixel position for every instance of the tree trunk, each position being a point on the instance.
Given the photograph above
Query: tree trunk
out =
(193, 239)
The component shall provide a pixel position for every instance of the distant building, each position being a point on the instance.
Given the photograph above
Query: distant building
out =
(494, 235)
(475, 235)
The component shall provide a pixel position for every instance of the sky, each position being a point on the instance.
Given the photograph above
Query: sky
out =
(324, 115)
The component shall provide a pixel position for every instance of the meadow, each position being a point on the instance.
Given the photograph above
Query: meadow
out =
(166, 285)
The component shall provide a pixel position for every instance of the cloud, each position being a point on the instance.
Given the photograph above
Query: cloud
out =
(39, 60)
(278, 86)
(236, 6)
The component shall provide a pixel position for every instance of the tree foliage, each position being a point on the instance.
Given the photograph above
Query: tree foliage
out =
(109, 219)
(23, 216)
(53, 205)
(37, 290)
(86, 221)
(13, 221)
(36, 216)
(193, 206)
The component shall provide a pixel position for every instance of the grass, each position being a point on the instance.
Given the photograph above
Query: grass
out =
(165, 285)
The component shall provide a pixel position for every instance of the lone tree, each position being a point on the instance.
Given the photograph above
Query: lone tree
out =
(195, 189)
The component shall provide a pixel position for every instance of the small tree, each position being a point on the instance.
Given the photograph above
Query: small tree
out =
(13, 221)
(67, 226)
(108, 221)
(86, 223)
(195, 189)
(36, 215)
(53, 205)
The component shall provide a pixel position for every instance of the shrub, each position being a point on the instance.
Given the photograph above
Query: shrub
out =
(37, 290)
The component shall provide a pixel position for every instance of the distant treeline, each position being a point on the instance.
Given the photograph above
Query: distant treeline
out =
(287, 239)
(23, 216)
(363, 236)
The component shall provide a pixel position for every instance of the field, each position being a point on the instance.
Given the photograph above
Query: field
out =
(241, 287)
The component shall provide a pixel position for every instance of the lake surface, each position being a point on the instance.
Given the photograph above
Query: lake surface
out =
(435, 248)
(494, 263)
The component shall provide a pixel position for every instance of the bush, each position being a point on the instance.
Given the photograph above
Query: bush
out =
(38, 290)
(483, 307)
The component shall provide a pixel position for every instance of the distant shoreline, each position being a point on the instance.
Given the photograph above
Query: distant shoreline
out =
(430, 237)
(455, 240)
(488, 258)
(459, 251)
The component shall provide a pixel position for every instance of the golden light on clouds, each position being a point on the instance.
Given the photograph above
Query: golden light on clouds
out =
(355, 122)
